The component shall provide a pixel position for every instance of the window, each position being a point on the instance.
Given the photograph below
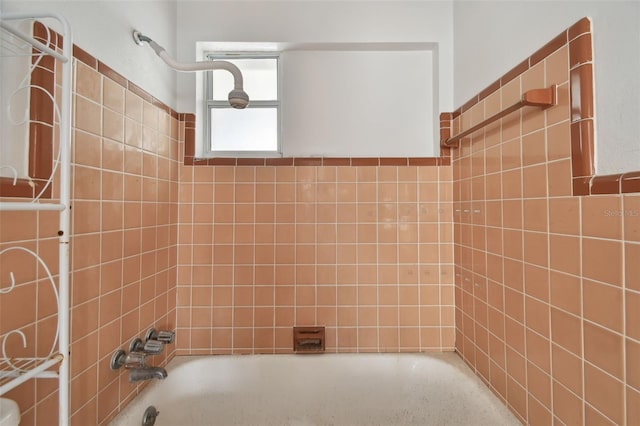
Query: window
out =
(254, 130)
(331, 100)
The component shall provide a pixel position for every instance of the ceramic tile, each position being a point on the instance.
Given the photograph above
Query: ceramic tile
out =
(602, 260)
(603, 304)
(604, 393)
(567, 406)
(88, 83)
(604, 349)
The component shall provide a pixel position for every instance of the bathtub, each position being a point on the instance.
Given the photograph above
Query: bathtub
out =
(327, 389)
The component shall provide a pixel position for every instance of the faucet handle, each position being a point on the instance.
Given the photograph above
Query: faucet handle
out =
(153, 347)
(164, 336)
(133, 359)
(150, 347)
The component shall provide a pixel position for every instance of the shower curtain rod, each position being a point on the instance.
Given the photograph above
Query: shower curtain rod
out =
(542, 98)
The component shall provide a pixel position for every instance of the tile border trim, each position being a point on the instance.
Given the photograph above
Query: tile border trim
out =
(190, 159)
(318, 161)
(578, 37)
(189, 120)
(102, 68)
(41, 127)
(189, 133)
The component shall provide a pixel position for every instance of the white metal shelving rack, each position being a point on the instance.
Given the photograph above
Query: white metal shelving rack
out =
(14, 371)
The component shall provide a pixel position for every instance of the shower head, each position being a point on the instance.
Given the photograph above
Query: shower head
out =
(238, 98)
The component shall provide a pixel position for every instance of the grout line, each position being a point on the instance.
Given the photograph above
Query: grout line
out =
(316, 243)
(232, 349)
(376, 203)
(295, 246)
(273, 275)
(356, 284)
(395, 205)
(548, 232)
(421, 344)
(583, 397)
(438, 187)
(625, 378)
(253, 272)
(337, 195)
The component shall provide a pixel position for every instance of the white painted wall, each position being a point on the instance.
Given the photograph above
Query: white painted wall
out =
(482, 53)
(493, 36)
(358, 103)
(104, 28)
(314, 22)
(324, 22)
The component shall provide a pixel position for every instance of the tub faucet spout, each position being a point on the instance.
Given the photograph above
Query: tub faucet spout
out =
(147, 373)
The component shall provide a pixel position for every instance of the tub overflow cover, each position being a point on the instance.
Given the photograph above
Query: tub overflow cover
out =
(149, 416)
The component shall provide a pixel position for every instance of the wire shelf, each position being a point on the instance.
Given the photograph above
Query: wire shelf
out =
(15, 371)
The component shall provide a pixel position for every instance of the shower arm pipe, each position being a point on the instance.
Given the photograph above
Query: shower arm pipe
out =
(192, 66)
(542, 98)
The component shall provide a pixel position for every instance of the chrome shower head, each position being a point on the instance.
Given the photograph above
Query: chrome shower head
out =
(238, 99)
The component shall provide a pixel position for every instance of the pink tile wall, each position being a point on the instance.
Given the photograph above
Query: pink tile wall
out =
(123, 249)
(125, 174)
(365, 251)
(547, 283)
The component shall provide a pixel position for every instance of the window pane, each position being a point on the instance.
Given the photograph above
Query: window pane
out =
(260, 79)
(251, 129)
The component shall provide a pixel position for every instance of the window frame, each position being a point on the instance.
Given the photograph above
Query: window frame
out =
(209, 103)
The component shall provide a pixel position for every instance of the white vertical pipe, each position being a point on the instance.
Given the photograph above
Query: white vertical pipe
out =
(64, 311)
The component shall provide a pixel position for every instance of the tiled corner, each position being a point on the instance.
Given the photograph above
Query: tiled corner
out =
(123, 244)
(562, 272)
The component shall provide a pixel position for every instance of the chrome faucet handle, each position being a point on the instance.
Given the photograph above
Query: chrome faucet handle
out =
(135, 360)
(164, 336)
(150, 347)
(131, 360)
(153, 347)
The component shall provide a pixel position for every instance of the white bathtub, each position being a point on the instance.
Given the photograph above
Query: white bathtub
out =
(327, 389)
